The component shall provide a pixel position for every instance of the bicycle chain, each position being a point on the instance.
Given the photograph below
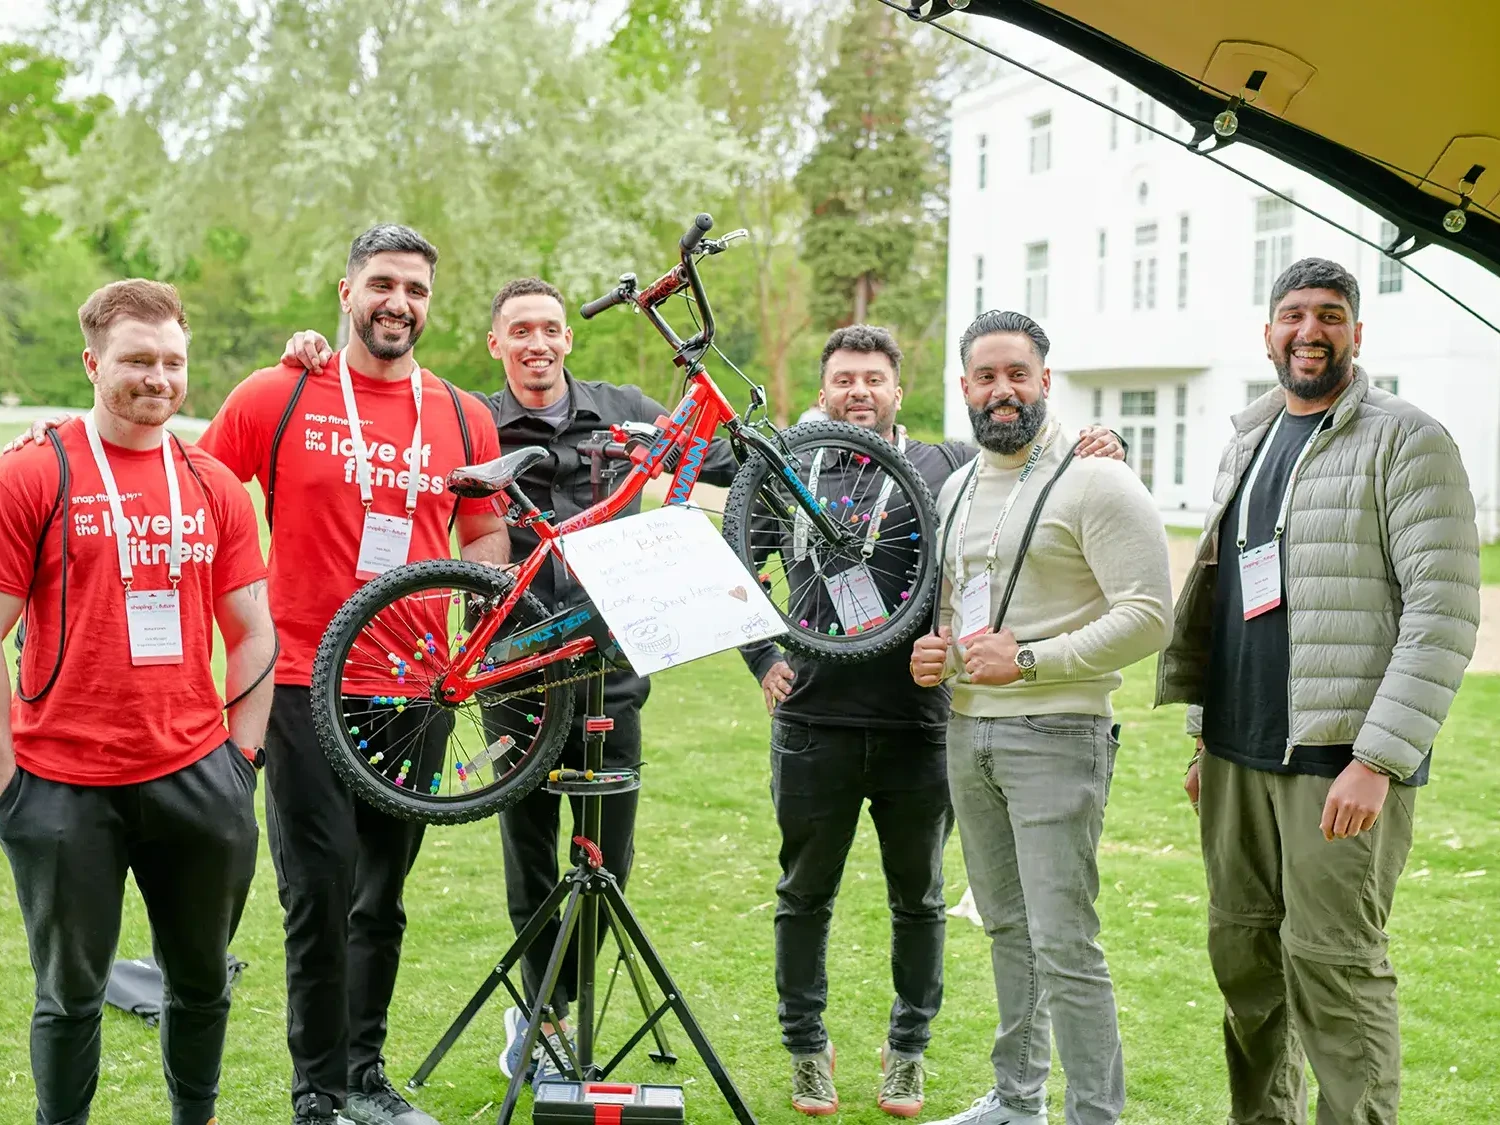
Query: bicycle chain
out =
(548, 686)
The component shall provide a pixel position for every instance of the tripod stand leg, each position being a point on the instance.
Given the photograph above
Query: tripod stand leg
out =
(544, 997)
(663, 1052)
(632, 927)
(487, 989)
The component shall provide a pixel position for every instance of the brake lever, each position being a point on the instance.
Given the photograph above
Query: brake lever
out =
(719, 245)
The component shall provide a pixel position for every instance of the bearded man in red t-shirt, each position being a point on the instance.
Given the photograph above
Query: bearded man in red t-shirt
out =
(123, 547)
(346, 497)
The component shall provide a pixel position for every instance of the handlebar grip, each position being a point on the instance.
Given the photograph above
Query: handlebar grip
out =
(615, 296)
(701, 226)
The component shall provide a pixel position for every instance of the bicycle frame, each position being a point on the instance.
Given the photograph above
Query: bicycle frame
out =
(688, 432)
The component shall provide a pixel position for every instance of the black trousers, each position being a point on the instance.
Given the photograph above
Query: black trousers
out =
(340, 869)
(528, 837)
(820, 779)
(189, 838)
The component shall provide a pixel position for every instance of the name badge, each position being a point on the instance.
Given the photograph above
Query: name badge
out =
(855, 598)
(383, 545)
(154, 621)
(1260, 579)
(975, 617)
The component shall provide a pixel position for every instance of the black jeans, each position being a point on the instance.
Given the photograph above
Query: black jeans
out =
(190, 839)
(340, 869)
(528, 837)
(820, 779)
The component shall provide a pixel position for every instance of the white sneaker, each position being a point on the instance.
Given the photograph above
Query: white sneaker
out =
(989, 1110)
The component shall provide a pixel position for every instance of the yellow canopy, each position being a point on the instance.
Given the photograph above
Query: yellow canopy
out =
(1396, 103)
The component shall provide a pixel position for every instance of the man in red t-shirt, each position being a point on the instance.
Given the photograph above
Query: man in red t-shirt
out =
(124, 547)
(340, 863)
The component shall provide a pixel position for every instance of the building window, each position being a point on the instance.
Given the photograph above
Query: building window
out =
(1041, 142)
(1146, 467)
(1181, 401)
(1182, 261)
(1143, 269)
(1179, 455)
(1132, 452)
(1036, 279)
(1138, 404)
(1114, 119)
(984, 161)
(1254, 389)
(1390, 269)
(1273, 243)
(978, 285)
(1182, 229)
(1099, 276)
(1098, 403)
(1391, 383)
(1145, 114)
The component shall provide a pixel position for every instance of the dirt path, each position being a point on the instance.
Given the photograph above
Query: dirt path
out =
(1486, 651)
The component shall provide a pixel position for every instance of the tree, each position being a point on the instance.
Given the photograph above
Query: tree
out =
(41, 276)
(300, 122)
(750, 62)
(870, 180)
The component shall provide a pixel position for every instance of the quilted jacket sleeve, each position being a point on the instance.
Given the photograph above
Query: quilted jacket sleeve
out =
(1433, 546)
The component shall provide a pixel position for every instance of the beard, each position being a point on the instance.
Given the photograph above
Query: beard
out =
(370, 333)
(1009, 437)
(135, 406)
(1336, 368)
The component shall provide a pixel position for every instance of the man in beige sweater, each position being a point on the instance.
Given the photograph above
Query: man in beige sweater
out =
(1034, 642)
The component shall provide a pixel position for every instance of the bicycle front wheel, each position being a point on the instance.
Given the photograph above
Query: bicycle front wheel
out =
(383, 722)
(868, 589)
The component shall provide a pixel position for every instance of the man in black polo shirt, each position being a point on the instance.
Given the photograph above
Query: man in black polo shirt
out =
(844, 733)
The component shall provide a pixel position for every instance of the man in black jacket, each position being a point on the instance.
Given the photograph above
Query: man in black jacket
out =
(845, 733)
(542, 404)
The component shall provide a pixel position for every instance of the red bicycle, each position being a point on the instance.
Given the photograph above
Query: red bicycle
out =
(831, 518)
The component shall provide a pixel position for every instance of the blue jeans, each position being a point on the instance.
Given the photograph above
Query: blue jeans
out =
(1030, 795)
(820, 779)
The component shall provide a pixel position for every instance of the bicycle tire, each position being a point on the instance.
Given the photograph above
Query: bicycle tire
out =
(911, 615)
(368, 783)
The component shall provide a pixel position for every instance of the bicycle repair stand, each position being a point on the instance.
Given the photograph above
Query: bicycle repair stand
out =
(579, 893)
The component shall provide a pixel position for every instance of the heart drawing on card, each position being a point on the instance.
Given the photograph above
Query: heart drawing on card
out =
(741, 593)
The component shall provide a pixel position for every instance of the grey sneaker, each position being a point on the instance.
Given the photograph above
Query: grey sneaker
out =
(901, 1084)
(812, 1083)
(989, 1110)
(546, 1070)
(378, 1103)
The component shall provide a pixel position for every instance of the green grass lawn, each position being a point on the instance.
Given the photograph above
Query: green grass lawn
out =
(704, 886)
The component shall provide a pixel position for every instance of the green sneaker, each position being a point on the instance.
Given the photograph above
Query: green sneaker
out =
(812, 1084)
(901, 1086)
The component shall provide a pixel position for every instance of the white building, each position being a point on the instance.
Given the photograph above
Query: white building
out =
(1150, 267)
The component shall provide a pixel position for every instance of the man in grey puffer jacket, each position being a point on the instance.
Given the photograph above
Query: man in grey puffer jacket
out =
(1319, 642)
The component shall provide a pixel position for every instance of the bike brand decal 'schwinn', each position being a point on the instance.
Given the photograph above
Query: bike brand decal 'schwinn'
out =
(680, 416)
(687, 476)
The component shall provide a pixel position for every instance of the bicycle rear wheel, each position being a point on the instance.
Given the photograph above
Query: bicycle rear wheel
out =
(867, 593)
(383, 723)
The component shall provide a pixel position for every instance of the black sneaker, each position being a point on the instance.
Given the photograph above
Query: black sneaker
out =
(314, 1109)
(376, 1102)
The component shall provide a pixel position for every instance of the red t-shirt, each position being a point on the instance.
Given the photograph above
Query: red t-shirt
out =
(318, 517)
(106, 721)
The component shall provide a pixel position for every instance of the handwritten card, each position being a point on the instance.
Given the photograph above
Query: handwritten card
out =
(669, 587)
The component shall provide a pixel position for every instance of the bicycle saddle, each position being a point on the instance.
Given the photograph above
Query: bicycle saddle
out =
(479, 481)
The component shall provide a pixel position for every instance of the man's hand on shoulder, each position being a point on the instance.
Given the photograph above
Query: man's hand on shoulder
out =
(308, 349)
(1100, 441)
(37, 434)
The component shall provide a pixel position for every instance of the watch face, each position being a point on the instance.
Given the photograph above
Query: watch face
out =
(1026, 658)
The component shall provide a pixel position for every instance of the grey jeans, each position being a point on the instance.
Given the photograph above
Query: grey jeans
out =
(1030, 794)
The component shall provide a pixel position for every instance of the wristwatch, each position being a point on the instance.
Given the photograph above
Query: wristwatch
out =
(1026, 662)
(1376, 767)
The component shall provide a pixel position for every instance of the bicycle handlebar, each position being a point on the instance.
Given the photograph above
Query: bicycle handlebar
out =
(701, 226)
(616, 296)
